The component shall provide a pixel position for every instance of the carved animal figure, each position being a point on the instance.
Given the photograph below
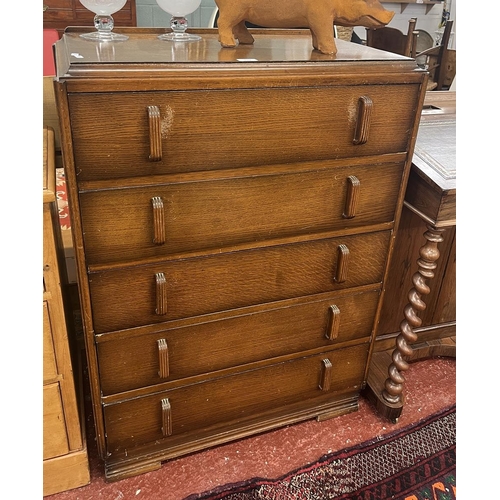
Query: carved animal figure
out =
(317, 15)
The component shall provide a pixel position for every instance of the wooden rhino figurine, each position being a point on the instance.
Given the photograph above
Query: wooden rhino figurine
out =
(317, 15)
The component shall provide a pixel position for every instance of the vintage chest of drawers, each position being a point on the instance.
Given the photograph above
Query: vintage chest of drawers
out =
(234, 214)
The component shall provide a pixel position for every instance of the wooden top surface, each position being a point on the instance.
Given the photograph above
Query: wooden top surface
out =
(49, 176)
(270, 46)
(431, 190)
(435, 149)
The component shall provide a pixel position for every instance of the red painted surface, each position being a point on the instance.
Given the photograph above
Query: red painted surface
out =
(49, 38)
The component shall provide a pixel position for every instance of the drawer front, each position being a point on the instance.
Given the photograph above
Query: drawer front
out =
(203, 213)
(217, 129)
(244, 397)
(154, 293)
(172, 354)
(55, 441)
(59, 10)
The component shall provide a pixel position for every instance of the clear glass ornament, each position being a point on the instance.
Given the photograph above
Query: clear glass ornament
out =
(179, 9)
(103, 20)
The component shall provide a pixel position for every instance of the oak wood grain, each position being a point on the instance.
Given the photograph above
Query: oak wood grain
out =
(221, 214)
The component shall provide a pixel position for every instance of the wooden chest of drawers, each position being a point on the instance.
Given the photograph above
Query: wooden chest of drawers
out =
(233, 219)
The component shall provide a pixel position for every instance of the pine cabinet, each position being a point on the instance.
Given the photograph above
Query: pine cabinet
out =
(65, 463)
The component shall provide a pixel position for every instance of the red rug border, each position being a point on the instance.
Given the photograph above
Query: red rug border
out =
(240, 487)
(403, 493)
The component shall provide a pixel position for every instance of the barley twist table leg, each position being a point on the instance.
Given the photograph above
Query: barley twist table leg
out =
(429, 254)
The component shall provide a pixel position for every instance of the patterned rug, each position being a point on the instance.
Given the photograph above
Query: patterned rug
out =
(414, 463)
(62, 199)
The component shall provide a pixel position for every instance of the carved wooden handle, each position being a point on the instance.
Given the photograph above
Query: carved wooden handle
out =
(365, 106)
(332, 331)
(342, 264)
(326, 375)
(154, 119)
(166, 417)
(158, 221)
(352, 197)
(164, 370)
(161, 294)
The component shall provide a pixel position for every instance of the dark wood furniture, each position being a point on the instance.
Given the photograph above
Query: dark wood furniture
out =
(440, 62)
(59, 14)
(65, 463)
(422, 275)
(394, 40)
(233, 213)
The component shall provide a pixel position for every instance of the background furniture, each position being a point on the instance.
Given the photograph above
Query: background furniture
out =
(393, 40)
(58, 14)
(232, 223)
(65, 463)
(424, 248)
(50, 119)
(440, 61)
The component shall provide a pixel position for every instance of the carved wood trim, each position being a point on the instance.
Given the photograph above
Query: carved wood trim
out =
(166, 417)
(163, 363)
(158, 221)
(429, 254)
(352, 197)
(342, 264)
(365, 107)
(154, 118)
(333, 328)
(161, 294)
(326, 375)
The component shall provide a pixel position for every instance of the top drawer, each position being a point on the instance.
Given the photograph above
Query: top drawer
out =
(152, 133)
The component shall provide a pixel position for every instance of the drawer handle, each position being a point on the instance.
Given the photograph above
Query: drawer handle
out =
(166, 417)
(161, 294)
(326, 375)
(164, 370)
(352, 197)
(365, 106)
(333, 323)
(154, 133)
(342, 264)
(158, 221)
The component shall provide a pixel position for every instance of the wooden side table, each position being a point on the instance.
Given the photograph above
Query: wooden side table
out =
(423, 262)
(65, 462)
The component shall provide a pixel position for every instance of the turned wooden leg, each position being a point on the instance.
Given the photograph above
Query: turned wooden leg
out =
(429, 254)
